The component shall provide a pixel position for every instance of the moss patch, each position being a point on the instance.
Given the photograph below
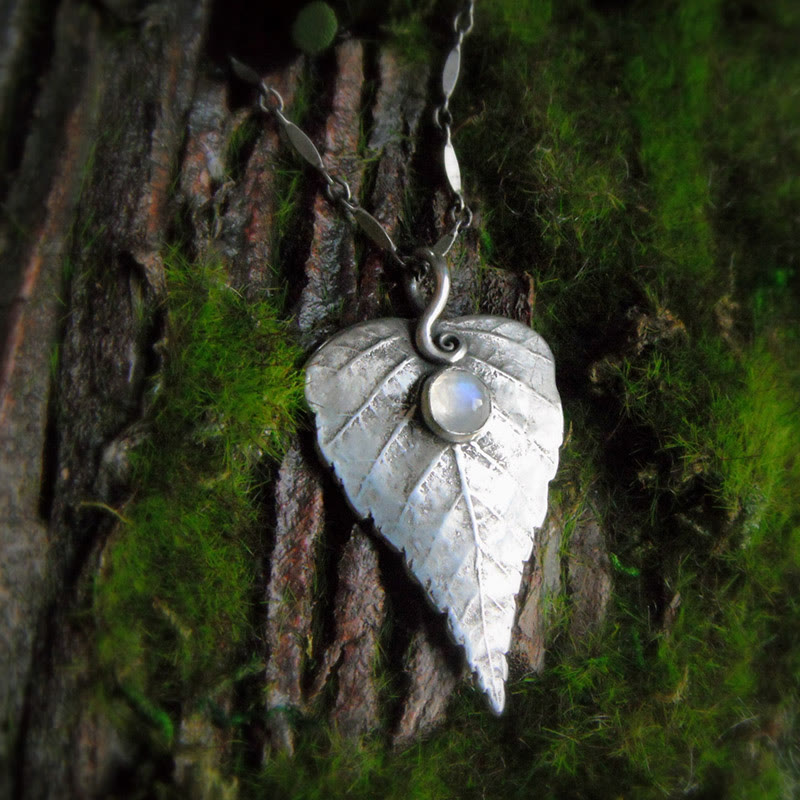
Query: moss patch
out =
(173, 599)
(637, 162)
(641, 166)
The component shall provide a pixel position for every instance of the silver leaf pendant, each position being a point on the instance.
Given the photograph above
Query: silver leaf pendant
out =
(455, 481)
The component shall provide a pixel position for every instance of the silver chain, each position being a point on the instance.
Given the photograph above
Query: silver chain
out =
(459, 213)
(337, 190)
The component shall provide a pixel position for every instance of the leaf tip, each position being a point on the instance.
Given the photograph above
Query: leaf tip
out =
(497, 697)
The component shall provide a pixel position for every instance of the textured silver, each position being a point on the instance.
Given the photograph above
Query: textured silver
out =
(451, 169)
(462, 514)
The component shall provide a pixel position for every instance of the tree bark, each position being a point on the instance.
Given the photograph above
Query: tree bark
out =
(132, 123)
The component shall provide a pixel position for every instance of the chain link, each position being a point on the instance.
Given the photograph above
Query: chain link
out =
(459, 213)
(338, 191)
(267, 94)
(462, 27)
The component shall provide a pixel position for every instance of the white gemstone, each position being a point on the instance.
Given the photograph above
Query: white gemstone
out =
(456, 404)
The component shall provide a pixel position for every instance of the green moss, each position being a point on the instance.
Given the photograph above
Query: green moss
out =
(752, 430)
(550, 158)
(173, 600)
(522, 23)
(669, 82)
(632, 162)
(642, 163)
(315, 28)
(239, 143)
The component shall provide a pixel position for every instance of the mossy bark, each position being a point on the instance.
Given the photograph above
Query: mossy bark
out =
(187, 606)
(87, 210)
(139, 139)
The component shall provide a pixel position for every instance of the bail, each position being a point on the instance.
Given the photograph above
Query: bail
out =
(444, 348)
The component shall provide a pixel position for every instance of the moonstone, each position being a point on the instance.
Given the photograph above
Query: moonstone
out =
(456, 404)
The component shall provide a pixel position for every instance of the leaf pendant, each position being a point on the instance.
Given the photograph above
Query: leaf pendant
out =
(462, 513)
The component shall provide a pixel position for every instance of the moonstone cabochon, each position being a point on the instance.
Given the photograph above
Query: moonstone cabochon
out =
(456, 404)
(462, 514)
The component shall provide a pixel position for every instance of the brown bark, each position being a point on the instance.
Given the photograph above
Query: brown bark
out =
(359, 612)
(290, 592)
(588, 578)
(98, 158)
(131, 126)
(542, 587)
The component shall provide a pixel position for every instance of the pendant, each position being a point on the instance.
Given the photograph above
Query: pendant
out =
(451, 461)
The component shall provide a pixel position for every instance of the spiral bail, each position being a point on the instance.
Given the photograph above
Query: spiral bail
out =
(443, 348)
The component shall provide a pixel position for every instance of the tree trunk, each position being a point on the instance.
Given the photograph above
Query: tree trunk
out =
(131, 126)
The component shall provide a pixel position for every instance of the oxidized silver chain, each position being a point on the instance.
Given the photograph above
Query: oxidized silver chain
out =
(459, 213)
(338, 191)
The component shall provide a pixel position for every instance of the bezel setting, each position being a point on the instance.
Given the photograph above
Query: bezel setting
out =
(436, 423)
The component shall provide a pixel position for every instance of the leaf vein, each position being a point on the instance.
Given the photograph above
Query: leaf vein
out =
(380, 387)
(462, 473)
(399, 428)
(515, 379)
(520, 537)
(363, 353)
(494, 334)
(426, 473)
(522, 432)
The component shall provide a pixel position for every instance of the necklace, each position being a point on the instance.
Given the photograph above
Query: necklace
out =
(444, 432)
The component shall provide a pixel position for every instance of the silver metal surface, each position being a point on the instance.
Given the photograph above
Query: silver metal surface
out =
(450, 72)
(438, 347)
(301, 143)
(443, 119)
(451, 169)
(462, 24)
(374, 230)
(462, 514)
(337, 190)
